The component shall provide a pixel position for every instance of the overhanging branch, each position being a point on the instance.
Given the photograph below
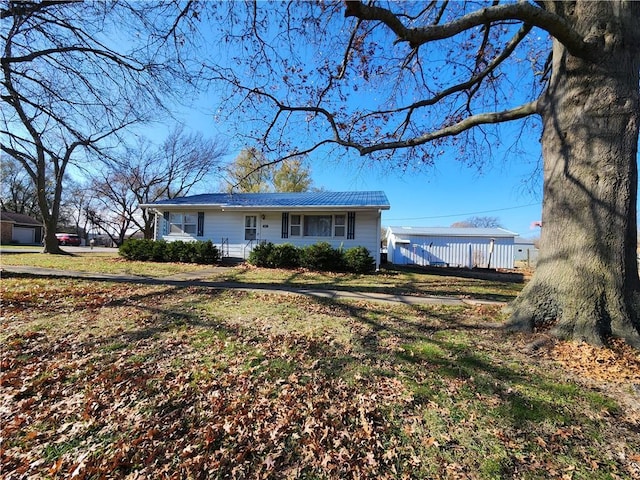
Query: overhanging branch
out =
(451, 130)
(474, 81)
(525, 12)
(118, 59)
(27, 8)
(467, 123)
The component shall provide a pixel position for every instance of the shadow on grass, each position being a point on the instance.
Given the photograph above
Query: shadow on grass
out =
(442, 347)
(431, 345)
(477, 273)
(451, 287)
(446, 282)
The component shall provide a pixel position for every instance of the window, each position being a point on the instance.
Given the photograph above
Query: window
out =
(338, 230)
(250, 227)
(317, 225)
(295, 225)
(181, 223)
(339, 225)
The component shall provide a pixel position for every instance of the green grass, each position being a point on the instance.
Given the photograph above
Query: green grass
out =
(99, 263)
(174, 381)
(393, 281)
(25, 248)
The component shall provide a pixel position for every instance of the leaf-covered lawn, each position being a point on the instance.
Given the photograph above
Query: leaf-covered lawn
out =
(388, 280)
(104, 380)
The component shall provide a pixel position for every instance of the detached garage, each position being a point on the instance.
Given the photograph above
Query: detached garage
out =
(451, 247)
(19, 228)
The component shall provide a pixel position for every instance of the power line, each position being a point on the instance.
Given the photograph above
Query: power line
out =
(461, 214)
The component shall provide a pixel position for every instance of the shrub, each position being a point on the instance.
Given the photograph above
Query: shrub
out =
(126, 250)
(158, 251)
(359, 260)
(178, 251)
(206, 253)
(284, 255)
(322, 256)
(175, 252)
(136, 249)
(260, 254)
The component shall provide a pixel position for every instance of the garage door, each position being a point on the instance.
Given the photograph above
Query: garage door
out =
(24, 235)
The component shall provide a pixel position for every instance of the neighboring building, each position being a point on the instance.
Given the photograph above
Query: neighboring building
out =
(238, 222)
(525, 251)
(451, 247)
(19, 228)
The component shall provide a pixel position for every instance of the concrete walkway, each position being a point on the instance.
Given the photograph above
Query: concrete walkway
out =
(191, 280)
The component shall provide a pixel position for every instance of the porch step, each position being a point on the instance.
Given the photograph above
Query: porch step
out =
(231, 261)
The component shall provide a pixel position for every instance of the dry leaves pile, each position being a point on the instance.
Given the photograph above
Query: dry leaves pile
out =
(83, 405)
(614, 370)
(618, 363)
(136, 416)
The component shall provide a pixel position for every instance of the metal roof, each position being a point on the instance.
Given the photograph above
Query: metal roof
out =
(452, 232)
(374, 199)
(525, 241)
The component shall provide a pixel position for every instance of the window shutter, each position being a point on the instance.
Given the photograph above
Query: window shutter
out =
(285, 225)
(200, 224)
(165, 227)
(351, 225)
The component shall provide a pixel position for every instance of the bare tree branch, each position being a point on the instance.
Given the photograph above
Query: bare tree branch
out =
(66, 90)
(85, 50)
(452, 130)
(522, 11)
(474, 81)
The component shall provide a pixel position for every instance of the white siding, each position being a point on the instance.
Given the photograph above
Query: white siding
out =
(525, 251)
(451, 251)
(229, 225)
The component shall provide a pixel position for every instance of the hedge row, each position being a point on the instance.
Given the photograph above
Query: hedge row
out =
(161, 251)
(320, 257)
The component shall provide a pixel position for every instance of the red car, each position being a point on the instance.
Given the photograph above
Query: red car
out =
(68, 239)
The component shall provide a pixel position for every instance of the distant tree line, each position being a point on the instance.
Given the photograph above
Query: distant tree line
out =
(478, 222)
(106, 201)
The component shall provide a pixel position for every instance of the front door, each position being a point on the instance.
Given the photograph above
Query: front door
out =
(251, 235)
(251, 228)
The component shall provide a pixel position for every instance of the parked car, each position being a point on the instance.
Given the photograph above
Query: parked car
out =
(68, 239)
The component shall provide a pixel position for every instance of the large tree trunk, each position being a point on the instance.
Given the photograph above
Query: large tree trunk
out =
(50, 242)
(49, 215)
(586, 284)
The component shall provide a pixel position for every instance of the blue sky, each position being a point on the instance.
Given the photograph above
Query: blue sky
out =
(444, 194)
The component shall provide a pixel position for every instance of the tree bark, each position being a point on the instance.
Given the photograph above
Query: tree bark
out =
(586, 284)
(50, 218)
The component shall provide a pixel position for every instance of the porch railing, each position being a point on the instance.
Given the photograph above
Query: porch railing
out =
(248, 246)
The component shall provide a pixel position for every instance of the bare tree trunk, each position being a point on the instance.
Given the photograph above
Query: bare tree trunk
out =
(586, 283)
(50, 241)
(148, 225)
